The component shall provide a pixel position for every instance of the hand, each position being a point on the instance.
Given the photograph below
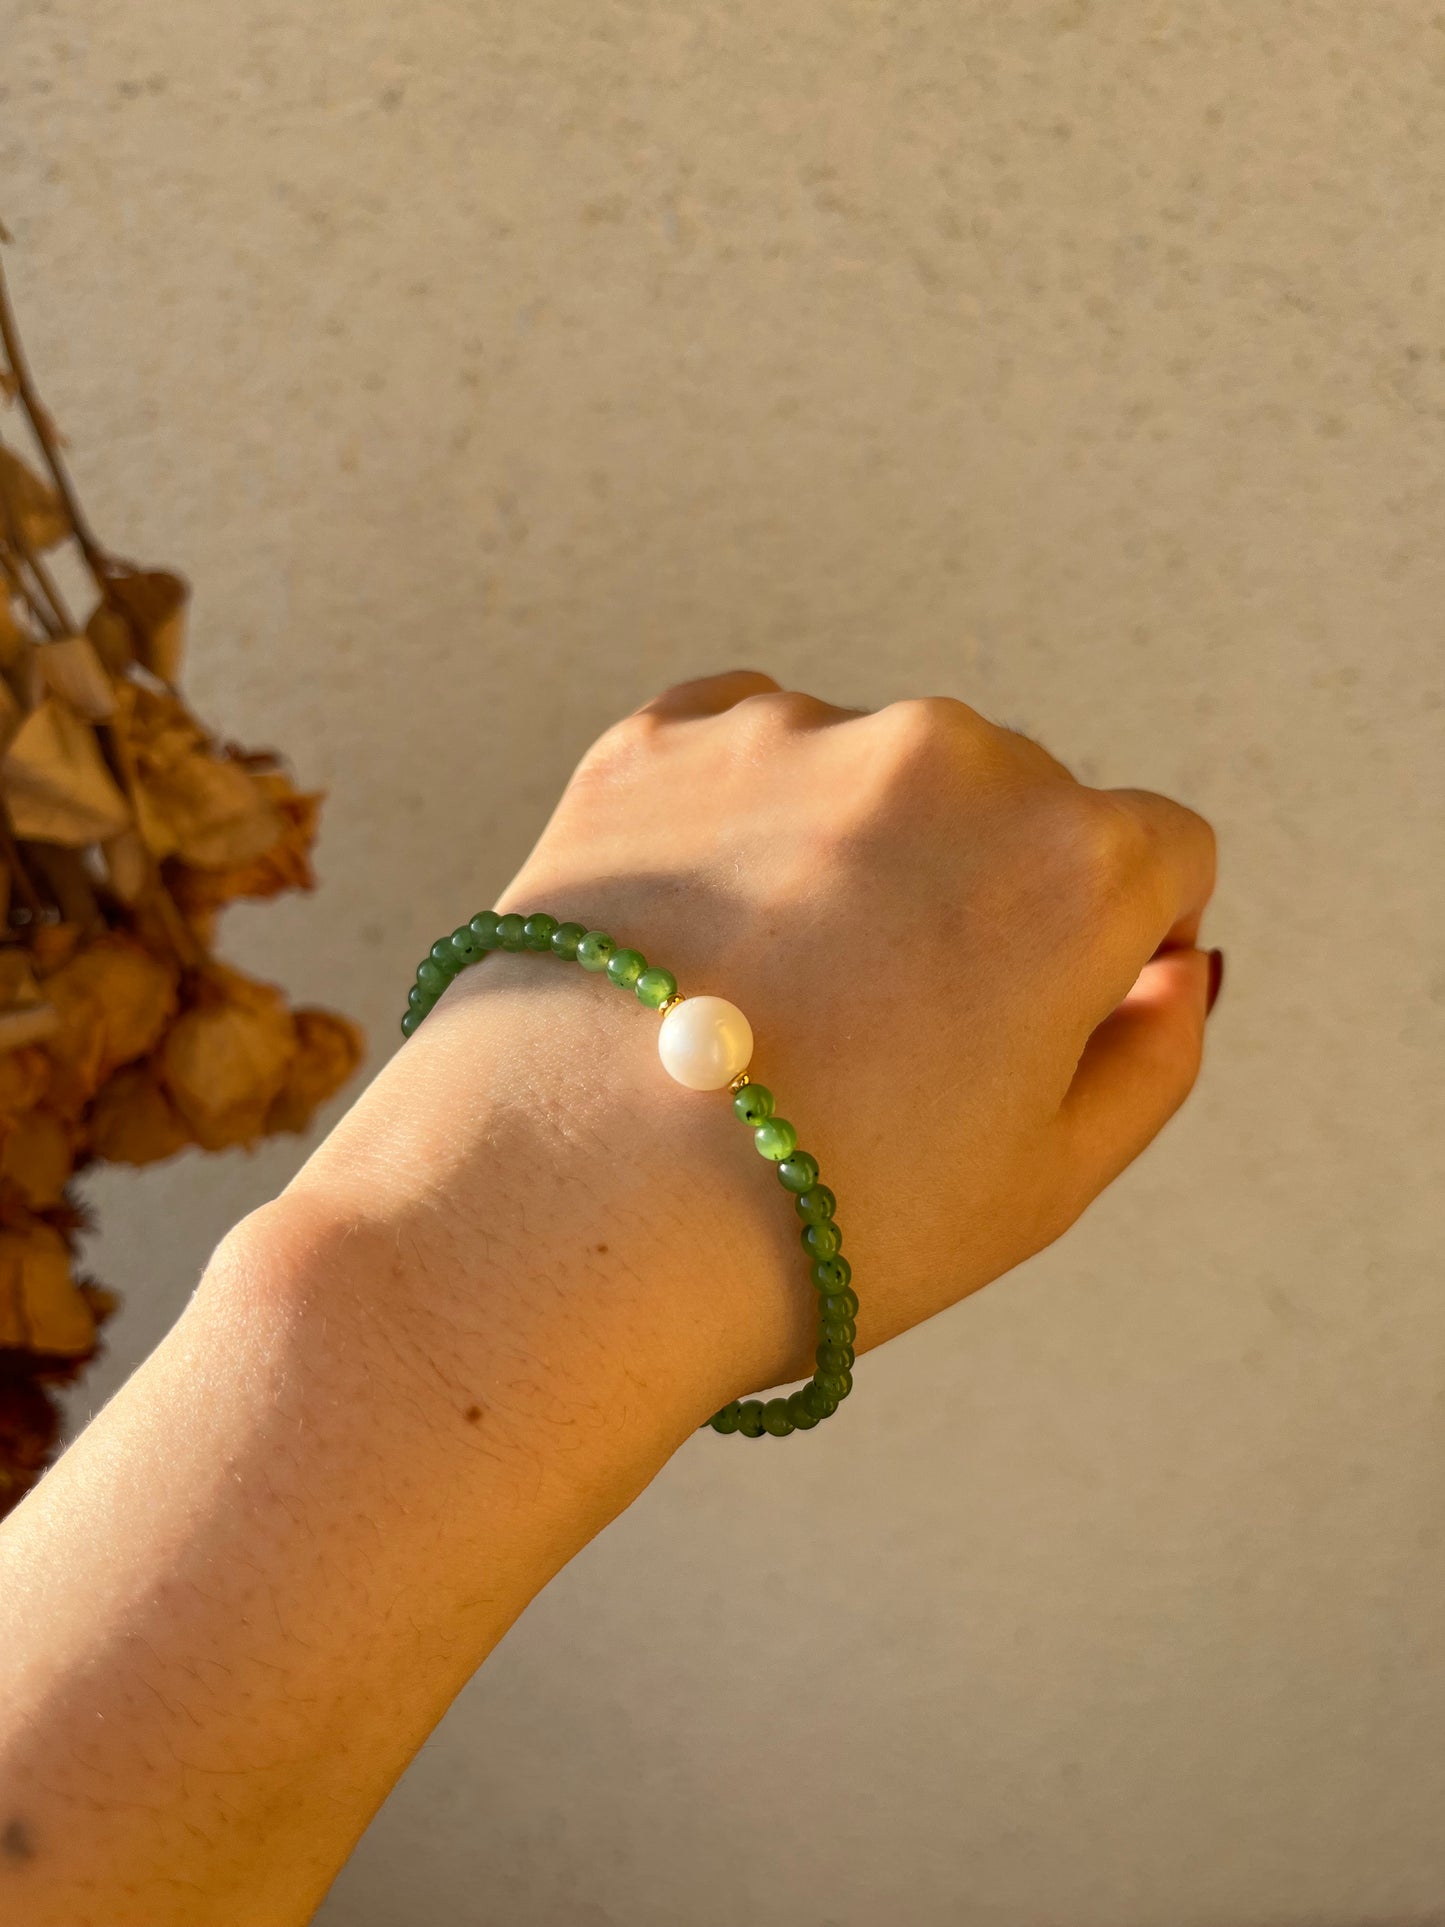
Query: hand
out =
(972, 982)
(526, 1264)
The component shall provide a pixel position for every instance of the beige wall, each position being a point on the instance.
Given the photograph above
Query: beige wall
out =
(488, 366)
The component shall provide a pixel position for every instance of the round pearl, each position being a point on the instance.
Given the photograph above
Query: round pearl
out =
(704, 1042)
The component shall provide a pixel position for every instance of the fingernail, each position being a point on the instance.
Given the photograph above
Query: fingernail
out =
(1216, 978)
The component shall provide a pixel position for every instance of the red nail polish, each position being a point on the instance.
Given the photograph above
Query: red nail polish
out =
(1216, 978)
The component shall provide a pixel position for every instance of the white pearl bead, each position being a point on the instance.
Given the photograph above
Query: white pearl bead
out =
(704, 1042)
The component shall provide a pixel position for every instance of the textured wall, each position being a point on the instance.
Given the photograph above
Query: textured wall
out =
(489, 366)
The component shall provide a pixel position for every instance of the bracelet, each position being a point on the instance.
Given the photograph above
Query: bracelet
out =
(706, 1044)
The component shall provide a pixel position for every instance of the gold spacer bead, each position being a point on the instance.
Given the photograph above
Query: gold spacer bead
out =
(738, 1082)
(671, 1004)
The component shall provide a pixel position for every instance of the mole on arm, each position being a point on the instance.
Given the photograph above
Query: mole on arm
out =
(17, 1842)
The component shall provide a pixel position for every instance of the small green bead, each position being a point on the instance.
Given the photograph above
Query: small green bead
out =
(776, 1139)
(565, 939)
(799, 1172)
(432, 977)
(824, 1400)
(815, 1205)
(776, 1422)
(834, 1358)
(813, 1399)
(832, 1274)
(595, 950)
(750, 1418)
(420, 999)
(654, 987)
(839, 1304)
(537, 931)
(822, 1240)
(483, 927)
(837, 1385)
(837, 1331)
(728, 1419)
(410, 1021)
(754, 1104)
(801, 1413)
(847, 1378)
(512, 932)
(624, 967)
(466, 943)
(444, 957)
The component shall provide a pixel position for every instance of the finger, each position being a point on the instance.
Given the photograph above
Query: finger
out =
(710, 695)
(1179, 865)
(1136, 1070)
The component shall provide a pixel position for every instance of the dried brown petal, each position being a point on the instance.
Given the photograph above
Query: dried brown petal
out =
(72, 670)
(32, 1024)
(53, 944)
(134, 991)
(128, 865)
(153, 602)
(76, 1049)
(33, 503)
(191, 802)
(329, 1048)
(133, 1120)
(285, 865)
(37, 1158)
(17, 977)
(55, 782)
(40, 1308)
(225, 1060)
(24, 1079)
(110, 634)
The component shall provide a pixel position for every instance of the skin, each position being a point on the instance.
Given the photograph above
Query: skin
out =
(526, 1266)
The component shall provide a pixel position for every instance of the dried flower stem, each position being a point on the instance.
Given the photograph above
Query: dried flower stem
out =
(10, 854)
(96, 559)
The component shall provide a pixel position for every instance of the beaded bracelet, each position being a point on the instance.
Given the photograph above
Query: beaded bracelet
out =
(706, 1044)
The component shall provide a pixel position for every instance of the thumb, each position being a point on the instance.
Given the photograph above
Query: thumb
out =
(1137, 1069)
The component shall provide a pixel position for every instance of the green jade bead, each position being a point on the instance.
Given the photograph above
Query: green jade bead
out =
(834, 1358)
(410, 1021)
(837, 1331)
(836, 1385)
(799, 1411)
(822, 1240)
(728, 1419)
(420, 999)
(654, 987)
(750, 1418)
(776, 1422)
(815, 1205)
(565, 939)
(512, 932)
(444, 957)
(839, 1304)
(821, 1398)
(831, 1274)
(537, 931)
(431, 976)
(753, 1104)
(847, 1378)
(776, 1139)
(624, 967)
(466, 943)
(595, 950)
(483, 927)
(799, 1172)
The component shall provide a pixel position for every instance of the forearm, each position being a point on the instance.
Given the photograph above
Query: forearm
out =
(240, 1602)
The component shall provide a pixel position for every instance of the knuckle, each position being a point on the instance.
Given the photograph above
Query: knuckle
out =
(1105, 846)
(618, 750)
